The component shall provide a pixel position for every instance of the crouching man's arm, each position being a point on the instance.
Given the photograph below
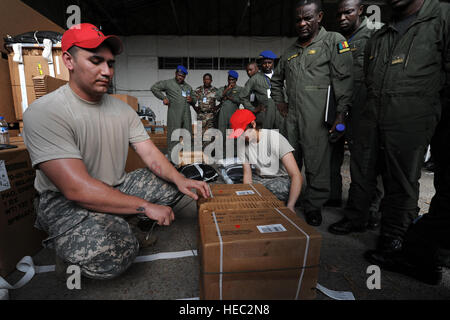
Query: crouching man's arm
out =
(71, 177)
(160, 166)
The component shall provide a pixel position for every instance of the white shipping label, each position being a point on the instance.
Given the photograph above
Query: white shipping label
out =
(4, 180)
(271, 228)
(245, 192)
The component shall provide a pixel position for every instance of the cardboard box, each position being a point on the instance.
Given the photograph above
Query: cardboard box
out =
(18, 237)
(189, 157)
(6, 98)
(34, 65)
(130, 100)
(257, 254)
(45, 84)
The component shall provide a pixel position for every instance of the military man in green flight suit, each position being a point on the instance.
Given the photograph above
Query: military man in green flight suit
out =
(406, 67)
(315, 61)
(259, 85)
(178, 96)
(229, 98)
(357, 30)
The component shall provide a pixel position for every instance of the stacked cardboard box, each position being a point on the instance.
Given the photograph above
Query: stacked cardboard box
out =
(18, 237)
(252, 247)
(46, 84)
(34, 65)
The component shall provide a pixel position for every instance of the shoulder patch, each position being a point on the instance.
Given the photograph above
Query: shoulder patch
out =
(343, 47)
(293, 56)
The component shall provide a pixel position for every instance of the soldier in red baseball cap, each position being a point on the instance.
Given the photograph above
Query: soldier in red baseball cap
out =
(271, 154)
(78, 137)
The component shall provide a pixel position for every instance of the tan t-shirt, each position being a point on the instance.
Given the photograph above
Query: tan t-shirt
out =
(266, 155)
(61, 125)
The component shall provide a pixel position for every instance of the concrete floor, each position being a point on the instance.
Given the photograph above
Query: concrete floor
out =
(342, 265)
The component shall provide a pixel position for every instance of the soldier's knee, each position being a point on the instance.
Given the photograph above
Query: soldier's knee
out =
(110, 261)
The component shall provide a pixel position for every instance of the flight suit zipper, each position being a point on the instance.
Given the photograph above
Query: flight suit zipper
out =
(409, 49)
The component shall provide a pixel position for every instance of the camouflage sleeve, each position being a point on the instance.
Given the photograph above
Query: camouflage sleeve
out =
(159, 88)
(341, 69)
(277, 82)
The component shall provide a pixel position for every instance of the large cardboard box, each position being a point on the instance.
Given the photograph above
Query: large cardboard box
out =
(6, 99)
(34, 65)
(257, 254)
(18, 237)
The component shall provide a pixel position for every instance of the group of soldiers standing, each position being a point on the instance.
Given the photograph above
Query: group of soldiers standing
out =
(391, 88)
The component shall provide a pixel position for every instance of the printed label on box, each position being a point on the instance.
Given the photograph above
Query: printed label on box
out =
(245, 193)
(271, 228)
(4, 180)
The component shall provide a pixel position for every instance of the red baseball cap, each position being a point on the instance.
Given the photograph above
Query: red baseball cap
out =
(239, 122)
(88, 36)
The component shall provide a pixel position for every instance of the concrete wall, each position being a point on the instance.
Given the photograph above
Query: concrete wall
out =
(137, 68)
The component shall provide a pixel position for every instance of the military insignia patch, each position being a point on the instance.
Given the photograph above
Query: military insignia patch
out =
(294, 56)
(343, 47)
(312, 51)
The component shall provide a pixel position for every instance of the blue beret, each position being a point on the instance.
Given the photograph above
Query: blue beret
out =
(268, 55)
(233, 74)
(182, 69)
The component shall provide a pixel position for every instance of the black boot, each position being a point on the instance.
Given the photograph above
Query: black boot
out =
(345, 226)
(386, 245)
(314, 218)
(374, 220)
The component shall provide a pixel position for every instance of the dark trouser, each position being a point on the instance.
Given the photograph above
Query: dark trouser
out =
(337, 159)
(428, 240)
(397, 151)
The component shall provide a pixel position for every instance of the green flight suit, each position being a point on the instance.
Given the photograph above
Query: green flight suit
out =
(357, 43)
(179, 112)
(404, 77)
(228, 106)
(260, 86)
(308, 73)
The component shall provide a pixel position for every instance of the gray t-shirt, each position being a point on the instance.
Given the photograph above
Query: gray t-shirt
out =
(266, 155)
(61, 125)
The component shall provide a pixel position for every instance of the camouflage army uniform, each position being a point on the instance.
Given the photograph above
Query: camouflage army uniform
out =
(102, 245)
(279, 186)
(206, 110)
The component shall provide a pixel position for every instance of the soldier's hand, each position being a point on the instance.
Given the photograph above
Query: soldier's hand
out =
(189, 99)
(283, 108)
(185, 185)
(162, 214)
(166, 101)
(336, 135)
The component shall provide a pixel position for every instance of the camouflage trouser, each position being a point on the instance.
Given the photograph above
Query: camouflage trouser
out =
(279, 186)
(103, 245)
